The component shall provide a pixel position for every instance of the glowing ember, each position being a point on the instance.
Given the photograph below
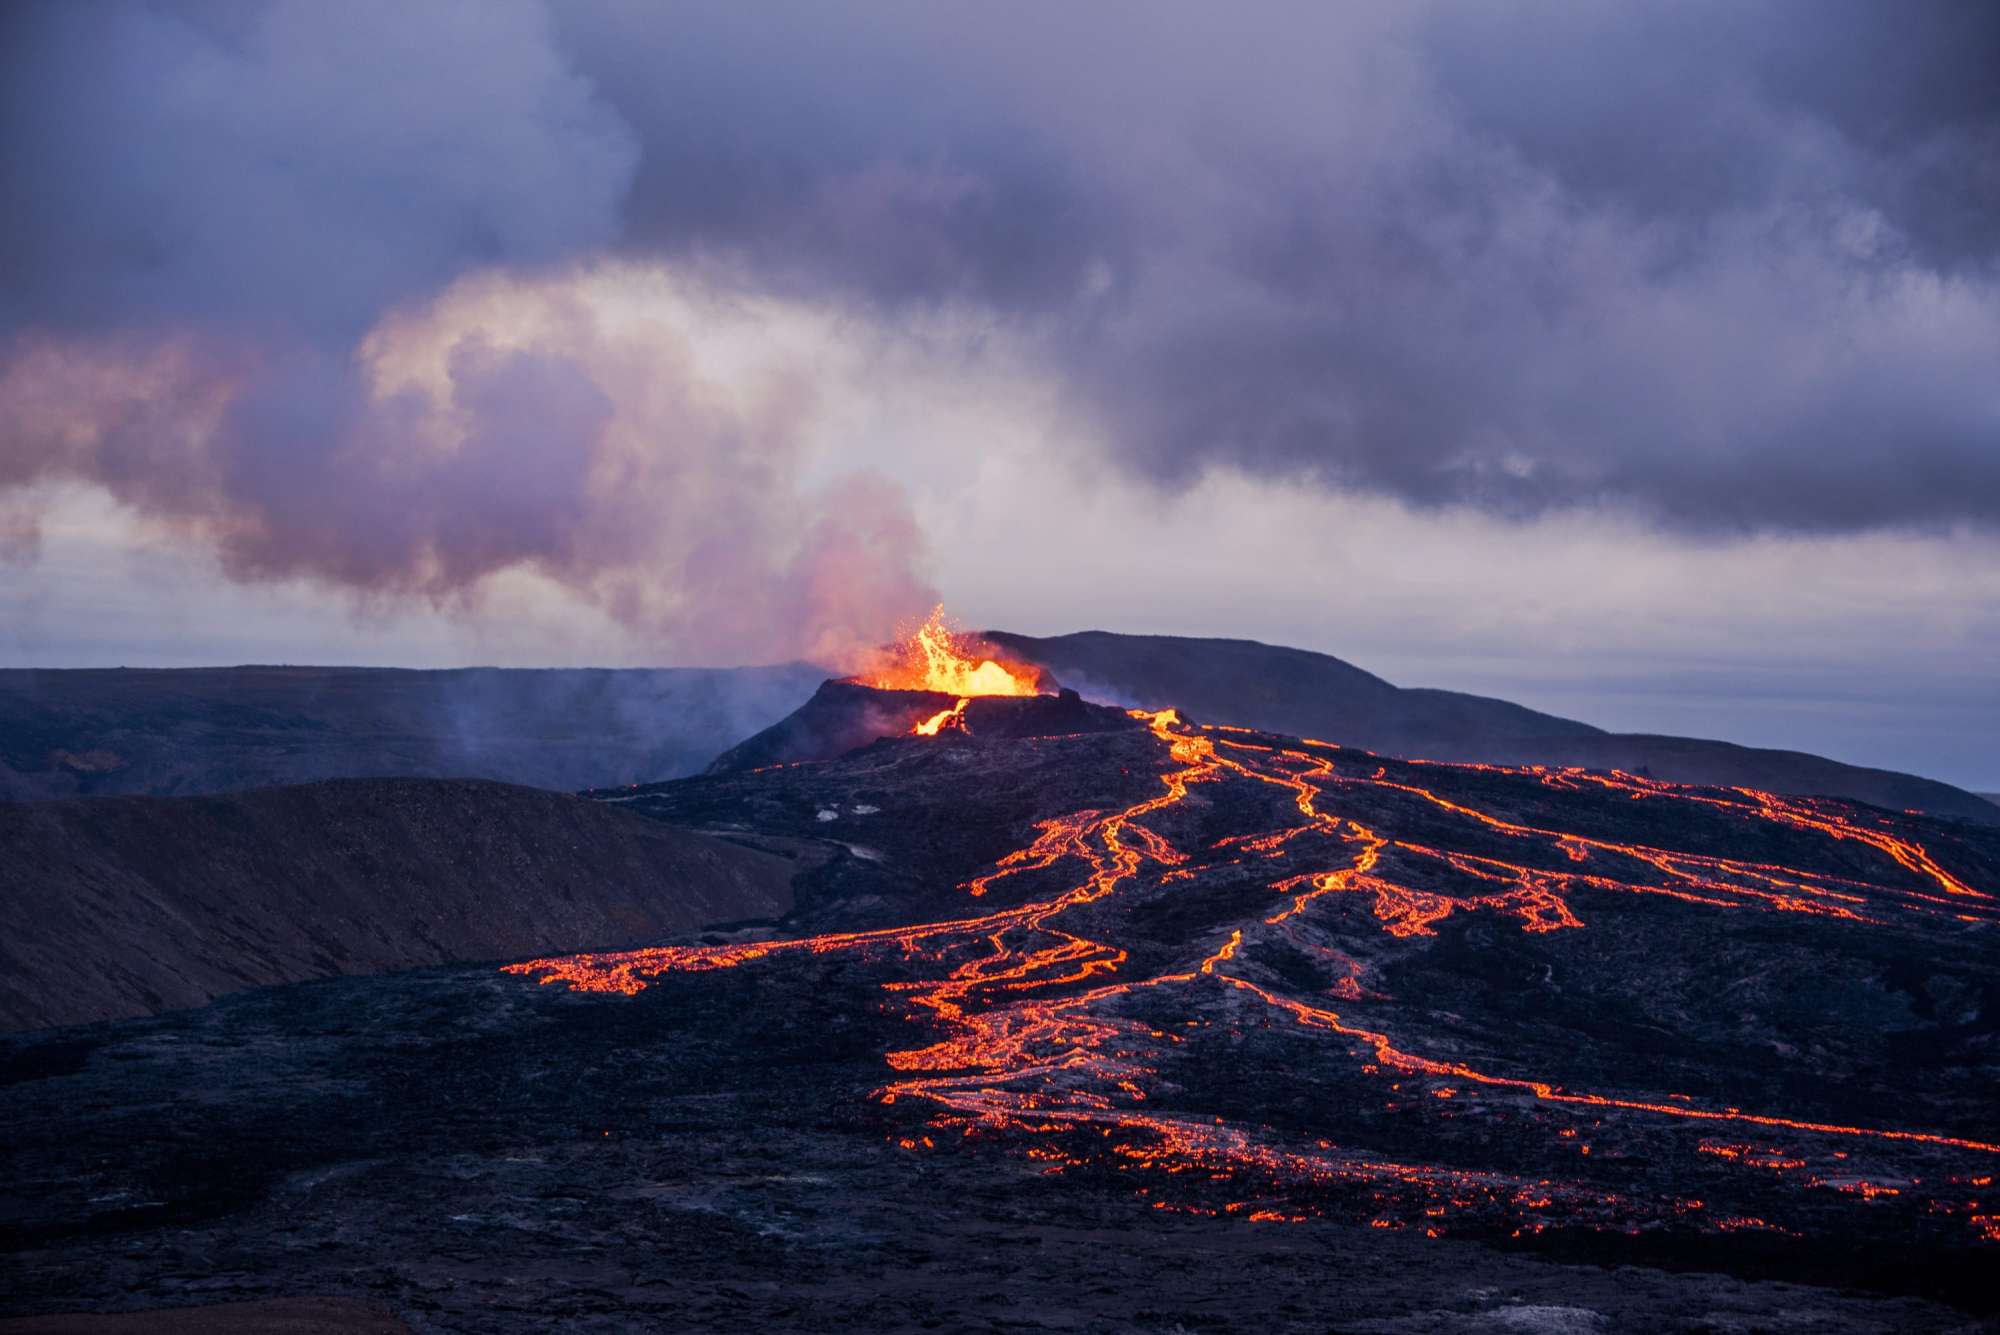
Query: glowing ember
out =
(937, 658)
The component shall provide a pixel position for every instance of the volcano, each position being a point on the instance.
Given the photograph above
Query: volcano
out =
(845, 715)
(935, 680)
(1141, 1024)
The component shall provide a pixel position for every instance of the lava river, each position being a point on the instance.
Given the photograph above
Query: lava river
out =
(1301, 980)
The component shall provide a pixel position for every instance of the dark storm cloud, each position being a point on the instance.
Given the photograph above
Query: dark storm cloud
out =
(296, 167)
(837, 147)
(1684, 111)
(1724, 266)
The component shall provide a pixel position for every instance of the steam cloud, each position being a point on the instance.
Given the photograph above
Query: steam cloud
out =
(1720, 266)
(437, 459)
(243, 247)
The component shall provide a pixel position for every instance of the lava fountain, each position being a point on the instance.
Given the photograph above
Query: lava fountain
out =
(935, 657)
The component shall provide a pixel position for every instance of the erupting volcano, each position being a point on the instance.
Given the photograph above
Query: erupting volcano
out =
(934, 680)
(1120, 957)
(1106, 1001)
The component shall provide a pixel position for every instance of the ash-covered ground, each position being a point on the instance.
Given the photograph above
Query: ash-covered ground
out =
(1167, 1028)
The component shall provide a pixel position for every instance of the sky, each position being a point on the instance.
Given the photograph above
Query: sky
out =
(1640, 363)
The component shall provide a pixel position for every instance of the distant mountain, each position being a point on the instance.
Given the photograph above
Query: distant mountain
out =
(123, 906)
(84, 732)
(1316, 695)
(203, 730)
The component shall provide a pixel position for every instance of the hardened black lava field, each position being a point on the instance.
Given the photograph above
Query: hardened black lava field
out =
(1162, 1027)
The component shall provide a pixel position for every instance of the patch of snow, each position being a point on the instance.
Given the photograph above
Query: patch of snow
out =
(863, 809)
(828, 813)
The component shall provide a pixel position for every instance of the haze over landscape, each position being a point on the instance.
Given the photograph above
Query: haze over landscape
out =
(1200, 645)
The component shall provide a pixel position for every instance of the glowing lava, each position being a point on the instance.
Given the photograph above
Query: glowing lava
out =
(935, 657)
(1049, 1017)
(944, 718)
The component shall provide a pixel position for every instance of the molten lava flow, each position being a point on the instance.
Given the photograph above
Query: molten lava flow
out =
(1057, 1019)
(944, 718)
(934, 657)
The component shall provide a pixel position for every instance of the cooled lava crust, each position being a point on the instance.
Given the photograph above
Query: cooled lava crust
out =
(1160, 985)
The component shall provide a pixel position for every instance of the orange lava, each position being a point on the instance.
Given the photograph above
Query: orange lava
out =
(934, 657)
(1036, 1032)
(944, 718)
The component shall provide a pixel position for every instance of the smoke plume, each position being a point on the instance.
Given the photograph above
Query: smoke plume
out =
(438, 457)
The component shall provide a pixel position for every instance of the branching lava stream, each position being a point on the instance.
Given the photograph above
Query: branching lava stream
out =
(1131, 954)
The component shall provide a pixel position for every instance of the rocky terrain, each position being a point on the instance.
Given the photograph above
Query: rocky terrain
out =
(123, 906)
(163, 732)
(1160, 1028)
(478, 1153)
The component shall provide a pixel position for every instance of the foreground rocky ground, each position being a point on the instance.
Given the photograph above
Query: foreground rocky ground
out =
(1251, 1035)
(479, 1153)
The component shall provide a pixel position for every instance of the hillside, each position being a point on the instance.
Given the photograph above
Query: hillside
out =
(80, 732)
(123, 906)
(1316, 695)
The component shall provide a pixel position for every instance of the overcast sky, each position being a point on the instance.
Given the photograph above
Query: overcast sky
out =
(1638, 362)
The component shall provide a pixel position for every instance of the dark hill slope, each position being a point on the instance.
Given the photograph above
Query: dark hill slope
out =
(122, 906)
(1727, 765)
(1316, 695)
(843, 715)
(88, 732)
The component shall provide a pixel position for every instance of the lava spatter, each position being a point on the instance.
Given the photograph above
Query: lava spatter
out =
(935, 657)
(1062, 1022)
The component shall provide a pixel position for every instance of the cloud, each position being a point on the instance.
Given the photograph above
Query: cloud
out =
(1721, 268)
(235, 220)
(1717, 268)
(503, 427)
(304, 167)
